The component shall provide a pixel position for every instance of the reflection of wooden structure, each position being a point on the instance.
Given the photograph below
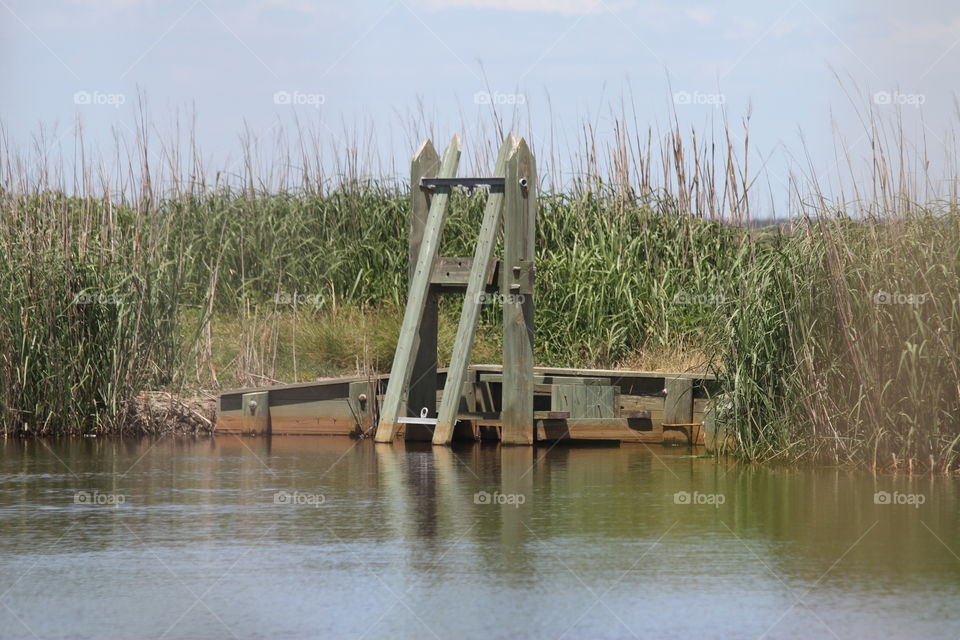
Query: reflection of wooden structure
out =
(513, 403)
(574, 404)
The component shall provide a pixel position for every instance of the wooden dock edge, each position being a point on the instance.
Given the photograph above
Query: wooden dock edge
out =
(647, 407)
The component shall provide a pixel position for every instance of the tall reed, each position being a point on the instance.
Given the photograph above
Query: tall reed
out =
(121, 279)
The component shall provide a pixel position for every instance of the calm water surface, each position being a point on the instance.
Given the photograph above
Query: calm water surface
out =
(333, 538)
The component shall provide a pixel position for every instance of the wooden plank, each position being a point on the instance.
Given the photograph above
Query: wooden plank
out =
(715, 437)
(455, 272)
(519, 221)
(239, 425)
(605, 373)
(318, 409)
(615, 429)
(472, 303)
(624, 430)
(423, 384)
(583, 401)
(417, 302)
(362, 404)
(541, 379)
(252, 418)
(641, 403)
(551, 415)
(676, 433)
(478, 415)
(312, 387)
(678, 403)
(313, 426)
(256, 407)
(467, 429)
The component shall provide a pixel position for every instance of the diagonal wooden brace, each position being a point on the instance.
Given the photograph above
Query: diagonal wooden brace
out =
(472, 302)
(417, 300)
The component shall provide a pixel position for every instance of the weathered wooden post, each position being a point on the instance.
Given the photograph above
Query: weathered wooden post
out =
(519, 228)
(417, 302)
(423, 383)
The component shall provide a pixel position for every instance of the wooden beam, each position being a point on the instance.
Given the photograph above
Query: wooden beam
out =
(678, 403)
(541, 379)
(417, 302)
(361, 403)
(455, 272)
(255, 412)
(472, 303)
(423, 384)
(583, 401)
(519, 222)
(622, 429)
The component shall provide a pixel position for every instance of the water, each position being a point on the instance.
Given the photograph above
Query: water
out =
(331, 538)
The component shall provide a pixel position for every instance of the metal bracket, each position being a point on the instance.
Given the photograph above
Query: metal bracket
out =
(520, 279)
(423, 419)
(431, 184)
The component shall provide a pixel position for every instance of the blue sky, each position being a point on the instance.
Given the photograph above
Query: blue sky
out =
(373, 65)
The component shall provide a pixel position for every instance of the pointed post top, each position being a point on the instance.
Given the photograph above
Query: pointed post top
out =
(506, 150)
(426, 150)
(451, 157)
(520, 144)
(455, 142)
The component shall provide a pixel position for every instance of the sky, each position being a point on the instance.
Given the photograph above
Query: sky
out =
(391, 71)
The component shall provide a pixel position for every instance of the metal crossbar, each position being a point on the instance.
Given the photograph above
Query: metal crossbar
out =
(469, 183)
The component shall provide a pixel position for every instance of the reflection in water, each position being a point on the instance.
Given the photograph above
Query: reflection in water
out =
(330, 537)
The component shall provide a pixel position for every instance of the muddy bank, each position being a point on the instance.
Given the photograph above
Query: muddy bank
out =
(164, 412)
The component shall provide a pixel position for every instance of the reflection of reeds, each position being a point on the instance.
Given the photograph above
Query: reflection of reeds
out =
(648, 250)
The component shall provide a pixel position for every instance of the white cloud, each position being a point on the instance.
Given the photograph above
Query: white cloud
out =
(567, 7)
(926, 32)
(700, 16)
(111, 5)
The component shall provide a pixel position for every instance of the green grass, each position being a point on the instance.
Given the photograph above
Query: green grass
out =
(106, 295)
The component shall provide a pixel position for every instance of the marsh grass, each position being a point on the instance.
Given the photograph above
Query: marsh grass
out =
(648, 259)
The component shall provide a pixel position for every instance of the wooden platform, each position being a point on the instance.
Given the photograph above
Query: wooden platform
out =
(569, 404)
